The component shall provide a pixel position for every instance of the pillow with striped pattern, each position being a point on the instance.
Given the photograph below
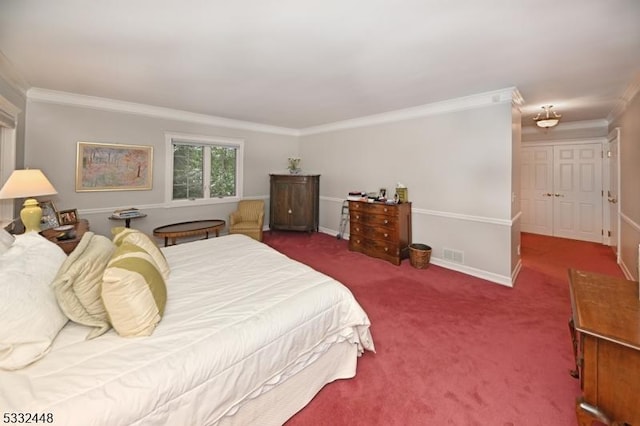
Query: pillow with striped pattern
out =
(139, 238)
(133, 291)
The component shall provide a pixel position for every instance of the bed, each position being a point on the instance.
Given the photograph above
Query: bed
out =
(247, 336)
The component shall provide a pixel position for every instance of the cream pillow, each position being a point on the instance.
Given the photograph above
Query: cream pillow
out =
(133, 291)
(30, 318)
(78, 284)
(6, 240)
(133, 236)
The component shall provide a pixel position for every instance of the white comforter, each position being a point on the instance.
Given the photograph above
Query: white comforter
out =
(240, 317)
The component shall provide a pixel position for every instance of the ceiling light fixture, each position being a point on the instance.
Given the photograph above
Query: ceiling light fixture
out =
(549, 119)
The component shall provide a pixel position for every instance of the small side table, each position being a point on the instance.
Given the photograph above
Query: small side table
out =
(127, 220)
(68, 245)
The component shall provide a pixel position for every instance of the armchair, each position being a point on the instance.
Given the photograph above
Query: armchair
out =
(248, 219)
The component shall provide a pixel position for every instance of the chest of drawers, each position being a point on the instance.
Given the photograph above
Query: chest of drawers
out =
(605, 327)
(380, 230)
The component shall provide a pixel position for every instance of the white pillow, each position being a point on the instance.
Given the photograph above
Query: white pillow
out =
(29, 314)
(6, 240)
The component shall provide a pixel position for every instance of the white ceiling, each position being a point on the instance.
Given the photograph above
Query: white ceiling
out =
(301, 63)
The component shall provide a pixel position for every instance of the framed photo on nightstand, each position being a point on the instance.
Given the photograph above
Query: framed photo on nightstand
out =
(68, 217)
(49, 215)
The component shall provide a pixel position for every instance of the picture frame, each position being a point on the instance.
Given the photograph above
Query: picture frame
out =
(113, 167)
(68, 217)
(49, 215)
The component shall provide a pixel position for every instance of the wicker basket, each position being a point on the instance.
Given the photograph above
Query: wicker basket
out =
(419, 255)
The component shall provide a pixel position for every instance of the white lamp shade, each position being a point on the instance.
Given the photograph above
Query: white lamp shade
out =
(27, 183)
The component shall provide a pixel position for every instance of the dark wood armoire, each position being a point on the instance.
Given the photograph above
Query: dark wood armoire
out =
(294, 202)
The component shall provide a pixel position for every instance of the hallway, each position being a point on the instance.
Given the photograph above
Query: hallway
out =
(555, 256)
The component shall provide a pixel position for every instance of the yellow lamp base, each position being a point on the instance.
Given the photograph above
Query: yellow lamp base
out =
(31, 214)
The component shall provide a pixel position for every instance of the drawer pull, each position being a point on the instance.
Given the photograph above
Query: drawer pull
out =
(357, 216)
(358, 241)
(386, 249)
(386, 235)
(358, 229)
(386, 209)
(386, 221)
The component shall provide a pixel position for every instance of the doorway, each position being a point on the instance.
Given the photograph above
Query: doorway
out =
(562, 190)
(612, 185)
(8, 114)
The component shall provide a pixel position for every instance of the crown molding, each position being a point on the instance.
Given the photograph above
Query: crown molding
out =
(632, 90)
(569, 125)
(94, 102)
(508, 95)
(10, 74)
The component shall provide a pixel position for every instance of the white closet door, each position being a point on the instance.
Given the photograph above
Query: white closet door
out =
(537, 190)
(578, 192)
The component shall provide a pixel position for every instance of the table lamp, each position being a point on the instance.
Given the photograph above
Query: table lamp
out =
(25, 184)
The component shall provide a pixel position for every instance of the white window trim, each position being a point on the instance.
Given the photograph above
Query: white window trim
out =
(207, 140)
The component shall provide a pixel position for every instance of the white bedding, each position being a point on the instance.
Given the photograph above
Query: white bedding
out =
(240, 318)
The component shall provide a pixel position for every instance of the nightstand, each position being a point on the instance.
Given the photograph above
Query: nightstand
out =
(68, 244)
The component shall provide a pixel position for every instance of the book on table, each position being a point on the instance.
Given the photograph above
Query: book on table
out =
(127, 213)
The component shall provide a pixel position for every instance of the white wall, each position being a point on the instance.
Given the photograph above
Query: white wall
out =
(629, 151)
(566, 131)
(457, 166)
(14, 96)
(516, 188)
(53, 131)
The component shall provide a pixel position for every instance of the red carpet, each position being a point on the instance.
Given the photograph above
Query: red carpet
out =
(453, 349)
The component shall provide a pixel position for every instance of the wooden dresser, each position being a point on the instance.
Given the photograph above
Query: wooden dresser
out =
(605, 328)
(380, 230)
(294, 202)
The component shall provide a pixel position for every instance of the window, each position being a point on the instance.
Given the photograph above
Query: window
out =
(203, 169)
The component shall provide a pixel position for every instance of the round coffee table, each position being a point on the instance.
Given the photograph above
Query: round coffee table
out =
(188, 229)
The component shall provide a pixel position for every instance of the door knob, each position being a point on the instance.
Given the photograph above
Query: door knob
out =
(612, 200)
(289, 211)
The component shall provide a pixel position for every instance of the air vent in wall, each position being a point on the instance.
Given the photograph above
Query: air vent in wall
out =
(452, 255)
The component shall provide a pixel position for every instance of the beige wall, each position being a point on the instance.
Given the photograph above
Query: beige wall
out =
(458, 170)
(53, 131)
(629, 150)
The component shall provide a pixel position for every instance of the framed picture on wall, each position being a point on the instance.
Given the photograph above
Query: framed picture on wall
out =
(49, 215)
(113, 167)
